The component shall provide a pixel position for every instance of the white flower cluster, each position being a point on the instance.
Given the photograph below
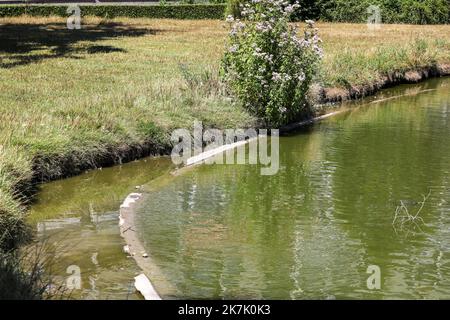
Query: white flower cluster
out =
(273, 6)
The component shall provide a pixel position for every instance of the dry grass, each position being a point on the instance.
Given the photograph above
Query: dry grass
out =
(356, 55)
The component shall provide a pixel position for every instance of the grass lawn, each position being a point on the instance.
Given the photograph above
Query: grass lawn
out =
(70, 99)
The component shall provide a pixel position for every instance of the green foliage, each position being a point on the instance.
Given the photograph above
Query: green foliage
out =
(425, 12)
(233, 8)
(180, 11)
(345, 10)
(13, 231)
(151, 131)
(16, 283)
(28, 275)
(392, 11)
(309, 9)
(268, 67)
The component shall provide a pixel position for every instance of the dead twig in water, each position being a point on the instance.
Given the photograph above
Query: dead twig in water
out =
(402, 215)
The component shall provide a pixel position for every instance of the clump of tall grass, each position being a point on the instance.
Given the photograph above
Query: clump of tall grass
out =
(17, 283)
(15, 171)
(204, 82)
(28, 275)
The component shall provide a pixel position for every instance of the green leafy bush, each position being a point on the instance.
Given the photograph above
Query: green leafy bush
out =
(309, 9)
(267, 66)
(346, 10)
(392, 11)
(234, 8)
(16, 283)
(424, 12)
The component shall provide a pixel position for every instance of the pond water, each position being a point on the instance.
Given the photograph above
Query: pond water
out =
(310, 231)
(76, 221)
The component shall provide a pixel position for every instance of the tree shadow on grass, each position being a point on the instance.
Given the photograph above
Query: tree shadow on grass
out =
(22, 44)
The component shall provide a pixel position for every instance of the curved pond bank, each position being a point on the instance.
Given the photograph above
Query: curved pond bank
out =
(308, 232)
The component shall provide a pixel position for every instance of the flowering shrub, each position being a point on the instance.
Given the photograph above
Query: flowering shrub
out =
(267, 66)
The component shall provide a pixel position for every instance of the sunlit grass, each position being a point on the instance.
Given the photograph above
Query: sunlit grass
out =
(356, 55)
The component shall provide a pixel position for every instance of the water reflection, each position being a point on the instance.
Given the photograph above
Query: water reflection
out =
(77, 219)
(312, 230)
(308, 232)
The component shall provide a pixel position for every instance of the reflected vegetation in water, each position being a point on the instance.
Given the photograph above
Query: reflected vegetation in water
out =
(77, 219)
(313, 229)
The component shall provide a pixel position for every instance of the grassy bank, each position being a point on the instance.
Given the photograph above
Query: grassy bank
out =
(113, 91)
(359, 61)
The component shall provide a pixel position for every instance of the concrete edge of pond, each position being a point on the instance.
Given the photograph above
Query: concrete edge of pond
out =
(134, 247)
(127, 209)
(296, 125)
(202, 157)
